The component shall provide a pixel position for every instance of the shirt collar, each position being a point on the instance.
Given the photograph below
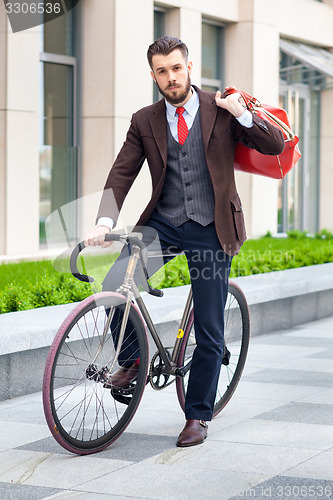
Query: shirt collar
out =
(191, 106)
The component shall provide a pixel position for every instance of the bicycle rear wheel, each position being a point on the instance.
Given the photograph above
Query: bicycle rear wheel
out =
(83, 415)
(236, 342)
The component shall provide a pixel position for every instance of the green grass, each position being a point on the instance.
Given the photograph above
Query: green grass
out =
(28, 285)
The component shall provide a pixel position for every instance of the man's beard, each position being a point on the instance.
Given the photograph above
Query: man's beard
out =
(177, 99)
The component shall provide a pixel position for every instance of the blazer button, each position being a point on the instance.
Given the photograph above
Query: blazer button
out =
(187, 183)
(189, 198)
(186, 169)
(183, 154)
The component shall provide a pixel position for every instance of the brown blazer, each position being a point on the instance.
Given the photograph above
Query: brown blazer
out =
(147, 139)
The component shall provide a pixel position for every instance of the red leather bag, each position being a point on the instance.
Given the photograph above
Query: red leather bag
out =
(253, 162)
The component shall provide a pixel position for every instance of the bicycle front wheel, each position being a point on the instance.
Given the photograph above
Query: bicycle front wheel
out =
(236, 342)
(83, 412)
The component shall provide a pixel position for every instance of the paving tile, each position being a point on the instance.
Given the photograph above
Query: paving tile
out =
(30, 412)
(327, 354)
(276, 432)
(13, 434)
(158, 423)
(324, 396)
(292, 488)
(291, 377)
(317, 467)
(299, 341)
(274, 392)
(237, 457)
(312, 330)
(164, 400)
(53, 471)
(23, 492)
(129, 447)
(316, 363)
(173, 481)
(239, 409)
(321, 324)
(82, 495)
(308, 413)
(283, 434)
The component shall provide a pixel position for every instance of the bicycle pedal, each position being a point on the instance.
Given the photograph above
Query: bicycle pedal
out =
(226, 357)
(123, 395)
(120, 398)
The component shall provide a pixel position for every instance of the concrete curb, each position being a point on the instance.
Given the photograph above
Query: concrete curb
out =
(276, 300)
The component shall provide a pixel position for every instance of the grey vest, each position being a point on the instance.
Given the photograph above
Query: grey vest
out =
(187, 191)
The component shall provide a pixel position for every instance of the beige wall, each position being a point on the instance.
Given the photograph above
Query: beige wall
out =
(115, 81)
(3, 126)
(307, 21)
(20, 141)
(252, 57)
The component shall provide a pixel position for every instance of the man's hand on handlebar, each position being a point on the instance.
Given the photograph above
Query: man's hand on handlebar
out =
(96, 237)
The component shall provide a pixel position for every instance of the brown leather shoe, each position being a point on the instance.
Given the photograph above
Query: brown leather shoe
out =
(194, 432)
(123, 377)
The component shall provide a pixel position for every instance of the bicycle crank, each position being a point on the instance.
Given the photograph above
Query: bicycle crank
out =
(157, 378)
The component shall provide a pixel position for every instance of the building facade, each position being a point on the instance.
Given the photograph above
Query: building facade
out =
(68, 89)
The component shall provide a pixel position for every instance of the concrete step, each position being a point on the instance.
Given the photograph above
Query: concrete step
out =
(276, 300)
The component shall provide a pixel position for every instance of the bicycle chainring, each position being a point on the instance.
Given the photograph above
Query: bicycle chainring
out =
(157, 379)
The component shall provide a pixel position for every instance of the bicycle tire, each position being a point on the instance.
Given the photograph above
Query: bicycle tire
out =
(84, 416)
(236, 337)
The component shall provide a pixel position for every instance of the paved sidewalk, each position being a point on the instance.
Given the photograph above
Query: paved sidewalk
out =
(273, 440)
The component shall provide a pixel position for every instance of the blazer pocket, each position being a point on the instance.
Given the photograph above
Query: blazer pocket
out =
(238, 216)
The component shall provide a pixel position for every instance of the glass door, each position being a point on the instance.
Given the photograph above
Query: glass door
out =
(298, 192)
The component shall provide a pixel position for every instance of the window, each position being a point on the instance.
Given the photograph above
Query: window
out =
(300, 86)
(212, 56)
(58, 143)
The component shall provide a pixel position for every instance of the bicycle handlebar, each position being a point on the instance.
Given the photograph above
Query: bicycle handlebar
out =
(127, 240)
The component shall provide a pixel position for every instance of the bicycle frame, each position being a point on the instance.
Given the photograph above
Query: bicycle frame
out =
(131, 291)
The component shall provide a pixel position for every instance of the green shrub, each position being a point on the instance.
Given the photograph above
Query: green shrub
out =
(46, 291)
(27, 285)
(14, 298)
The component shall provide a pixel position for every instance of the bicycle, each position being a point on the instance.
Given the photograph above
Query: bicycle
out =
(84, 411)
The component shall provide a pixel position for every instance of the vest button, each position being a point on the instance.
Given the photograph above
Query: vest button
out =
(189, 198)
(187, 183)
(186, 169)
(183, 154)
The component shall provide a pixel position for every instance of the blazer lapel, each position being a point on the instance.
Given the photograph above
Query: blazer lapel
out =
(208, 112)
(158, 124)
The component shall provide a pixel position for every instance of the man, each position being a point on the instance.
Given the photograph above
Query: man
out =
(188, 139)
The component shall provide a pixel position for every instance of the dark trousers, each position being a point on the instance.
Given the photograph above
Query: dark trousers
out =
(209, 268)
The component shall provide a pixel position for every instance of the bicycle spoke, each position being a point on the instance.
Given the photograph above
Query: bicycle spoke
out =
(236, 337)
(83, 415)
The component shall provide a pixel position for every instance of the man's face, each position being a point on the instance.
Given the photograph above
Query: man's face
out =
(172, 76)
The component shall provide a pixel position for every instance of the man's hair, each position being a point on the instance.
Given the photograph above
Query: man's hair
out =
(165, 45)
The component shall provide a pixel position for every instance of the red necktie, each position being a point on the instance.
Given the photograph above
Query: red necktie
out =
(182, 126)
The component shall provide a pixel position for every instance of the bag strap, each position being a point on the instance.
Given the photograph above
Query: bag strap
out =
(252, 103)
